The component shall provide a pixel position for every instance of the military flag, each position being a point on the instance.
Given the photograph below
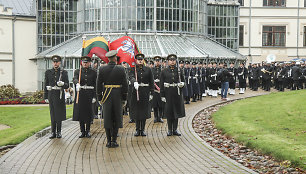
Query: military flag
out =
(127, 49)
(98, 46)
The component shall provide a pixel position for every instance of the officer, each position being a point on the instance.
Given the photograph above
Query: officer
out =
(56, 80)
(172, 82)
(156, 102)
(242, 74)
(143, 83)
(112, 91)
(85, 82)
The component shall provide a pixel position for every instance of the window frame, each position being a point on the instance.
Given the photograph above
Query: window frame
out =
(241, 36)
(241, 2)
(274, 32)
(273, 3)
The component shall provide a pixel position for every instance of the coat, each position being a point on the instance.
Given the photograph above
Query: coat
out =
(174, 107)
(82, 111)
(156, 102)
(188, 77)
(140, 109)
(112, 74)
(56, 104)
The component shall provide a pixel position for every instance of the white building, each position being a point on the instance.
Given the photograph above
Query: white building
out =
(18, 45)
(272, 27)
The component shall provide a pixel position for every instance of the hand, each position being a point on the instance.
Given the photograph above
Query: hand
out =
(46, 100)
(150, 97)
(48, 88)
(166, 85)
(60, 83)
(163, 99)
(181, 84)
(93, 100)
(77, 87)
(124, 103)
(136, 85)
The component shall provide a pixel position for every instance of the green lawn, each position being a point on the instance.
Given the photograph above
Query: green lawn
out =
(24, 122)
(275, 124)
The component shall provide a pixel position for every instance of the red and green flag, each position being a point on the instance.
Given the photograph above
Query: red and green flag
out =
(97, 46)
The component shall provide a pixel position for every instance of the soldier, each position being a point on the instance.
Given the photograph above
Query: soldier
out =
(172, 82)
(95, 105)
(56, 80)
(151, 64)
(266, 76)
(156, 102)
(187, 72)
(281, 73)
(85, 82)
(213, 80)
(296, 74)
(232, 80)
(112, 91)
(204, 79)
(242, 74)
(126, 70)
(254, 75)
(142, 93)
(195, 81)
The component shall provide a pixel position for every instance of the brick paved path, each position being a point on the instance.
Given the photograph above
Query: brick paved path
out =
(155, 153)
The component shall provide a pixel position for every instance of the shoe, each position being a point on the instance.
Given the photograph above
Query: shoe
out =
(187, 102)
(155, 120)
(142, 133)
(169, 133)
(53, 135)
(176, 133)
(82, 135)
(160, 120)
(137, 133)
(132, 121)
(114, 144)
(88, 135)
(58, 135)
(109, 144)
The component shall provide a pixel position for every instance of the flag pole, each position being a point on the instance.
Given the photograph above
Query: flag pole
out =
(78, 93)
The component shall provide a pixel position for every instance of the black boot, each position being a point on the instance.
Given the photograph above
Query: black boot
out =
(58, 135)
(142, 128)
(59, 129)
(108, 136)
(114, 143)
(53, 135)
(137, 133)
(88, 130)
(82, 135)
(132, 121)
(142, 133)
(169, 133)
(176, 133)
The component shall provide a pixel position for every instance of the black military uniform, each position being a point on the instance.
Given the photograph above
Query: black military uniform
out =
(156, 102)
(82, 110)
(112, 91)
(172, 82)
(296, 75)
(242, 74)
(56, 80)
(254, 76)
(281, 73)
(232, 80)
(144, 86)
(266, 76)
(213, 80)
(188, 93)
(195, 81)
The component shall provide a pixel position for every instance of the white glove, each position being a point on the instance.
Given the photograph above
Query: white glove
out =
(163, 99)
(196, 75)
(60, 83)
(124, 103)
(166, 85)
(46, 100)
(93, 100)
(48, 88)
(150, 97)
(136, 85)
(181, 84)
(77, 87)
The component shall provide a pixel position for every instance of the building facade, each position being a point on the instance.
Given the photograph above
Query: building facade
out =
(18, 45)
(272, 28)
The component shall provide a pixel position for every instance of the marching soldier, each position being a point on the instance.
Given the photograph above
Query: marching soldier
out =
(156, 102)
(142, 93)
(172, 82)
(85, 82)
(56, 80)
(242, 74)
(112, 91)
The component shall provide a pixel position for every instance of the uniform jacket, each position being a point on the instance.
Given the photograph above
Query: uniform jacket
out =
(156, 102)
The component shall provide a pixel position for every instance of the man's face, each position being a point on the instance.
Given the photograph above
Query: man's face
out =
(139, 61)
(231, 65)
(85, 64)
(221, 65)
(214, 65)
(157, 63)
(56, 64)
(172, 62)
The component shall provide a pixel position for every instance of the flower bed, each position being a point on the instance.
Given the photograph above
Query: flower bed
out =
(20, 100)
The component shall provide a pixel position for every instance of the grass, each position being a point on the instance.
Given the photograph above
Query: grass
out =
(24, 122)
(274, 124)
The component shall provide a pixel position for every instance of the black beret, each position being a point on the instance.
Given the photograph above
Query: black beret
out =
(56, 58)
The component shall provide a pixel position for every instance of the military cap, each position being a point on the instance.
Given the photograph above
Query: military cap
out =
(56, 58)
(157, 58)
(181, 62)
(194, 63)
(187, 62)
(111, 53)
(200, 63)
(140, 56)
(171, 56)
(151, 62)
(85, 59)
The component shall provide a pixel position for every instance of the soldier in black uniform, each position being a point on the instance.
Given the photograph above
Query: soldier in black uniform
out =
(254, 76)
(156, 102)
(242, 74)
(172, 82)
(56, 80)
(112, 91)
(142, 93)
(195, 81)
(281, 74)
(213, 80)
(296, 75)
(189, 92)
(266, 76)
(232, 80)
(82, 110)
